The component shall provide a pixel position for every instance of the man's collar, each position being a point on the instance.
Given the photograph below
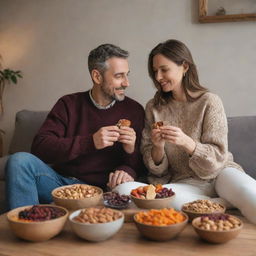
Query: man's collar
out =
(98, 105)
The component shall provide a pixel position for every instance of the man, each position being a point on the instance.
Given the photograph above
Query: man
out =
(80, 139)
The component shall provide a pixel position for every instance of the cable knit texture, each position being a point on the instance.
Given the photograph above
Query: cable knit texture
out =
(204, 120)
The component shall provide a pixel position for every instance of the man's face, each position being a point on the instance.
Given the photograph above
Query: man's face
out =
(115, 79)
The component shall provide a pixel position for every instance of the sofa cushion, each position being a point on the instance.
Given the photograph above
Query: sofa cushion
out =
(242, 142)
(27, 124)
(3, 161)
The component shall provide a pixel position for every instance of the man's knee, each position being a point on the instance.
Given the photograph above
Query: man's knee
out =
(18, 160)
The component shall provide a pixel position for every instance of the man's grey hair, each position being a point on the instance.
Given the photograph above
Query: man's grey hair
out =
(98, 56)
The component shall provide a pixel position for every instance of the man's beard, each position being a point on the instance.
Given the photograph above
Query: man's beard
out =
(110, 95)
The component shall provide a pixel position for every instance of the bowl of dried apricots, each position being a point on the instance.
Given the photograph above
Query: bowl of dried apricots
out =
(152, 197)
(160, 224)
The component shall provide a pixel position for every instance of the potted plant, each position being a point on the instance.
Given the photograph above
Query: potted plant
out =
(7, 76)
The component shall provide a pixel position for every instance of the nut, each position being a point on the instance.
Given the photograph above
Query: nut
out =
(202, 206)
(77, 191)
(97, 215)
(219, 222)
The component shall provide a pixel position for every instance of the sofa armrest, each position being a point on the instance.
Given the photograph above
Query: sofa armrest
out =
(3, 161)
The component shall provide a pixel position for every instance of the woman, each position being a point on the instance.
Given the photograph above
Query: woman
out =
(190, 150)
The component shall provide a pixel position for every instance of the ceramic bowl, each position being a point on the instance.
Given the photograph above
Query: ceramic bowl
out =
(36, 231)
(95, 232)
(75, 204)
(158, 203)
(161, 233)
(216, 236)
(193, 214)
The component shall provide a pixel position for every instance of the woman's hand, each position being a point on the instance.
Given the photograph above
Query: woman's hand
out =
(158, 142)
(177, 137)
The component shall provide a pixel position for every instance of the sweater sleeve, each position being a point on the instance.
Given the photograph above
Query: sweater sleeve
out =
(146, 145)
(53, 145)
(211, 152)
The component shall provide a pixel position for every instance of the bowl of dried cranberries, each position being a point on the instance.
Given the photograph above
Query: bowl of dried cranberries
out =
(37, 222)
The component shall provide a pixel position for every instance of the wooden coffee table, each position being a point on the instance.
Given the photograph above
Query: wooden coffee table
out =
(127, 242)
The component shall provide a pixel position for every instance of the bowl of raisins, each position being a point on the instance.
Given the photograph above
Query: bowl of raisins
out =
(115, 200)
(37, 223)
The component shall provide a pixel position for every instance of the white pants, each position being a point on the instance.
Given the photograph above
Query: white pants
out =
(233, 186)
(239, 189)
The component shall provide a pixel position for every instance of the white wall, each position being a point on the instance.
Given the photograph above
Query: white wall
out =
(49, 40)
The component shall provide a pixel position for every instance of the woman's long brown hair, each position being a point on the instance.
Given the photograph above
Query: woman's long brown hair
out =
(178, 53)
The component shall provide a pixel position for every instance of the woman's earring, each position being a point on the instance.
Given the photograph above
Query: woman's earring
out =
(184, 74)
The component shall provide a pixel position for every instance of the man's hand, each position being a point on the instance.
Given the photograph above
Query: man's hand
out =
(127, 138)
(118, 177)
(106, 136)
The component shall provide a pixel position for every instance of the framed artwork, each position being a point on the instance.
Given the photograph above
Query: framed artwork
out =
(221, 15)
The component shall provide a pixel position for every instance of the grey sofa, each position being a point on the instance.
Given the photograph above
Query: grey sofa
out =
(242, 141)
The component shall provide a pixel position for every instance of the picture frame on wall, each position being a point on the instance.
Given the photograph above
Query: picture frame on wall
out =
(221, 15)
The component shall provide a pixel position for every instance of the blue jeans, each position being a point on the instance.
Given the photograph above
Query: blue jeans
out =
(30, 181)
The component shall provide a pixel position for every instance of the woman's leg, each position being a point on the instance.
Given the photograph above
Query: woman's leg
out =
(30, 181)
(239, 189)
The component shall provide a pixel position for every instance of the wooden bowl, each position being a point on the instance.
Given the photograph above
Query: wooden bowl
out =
(75, 204)
(95, 232)
(161, 233)
(193, 214)
(36, 231)
(157, 203)
(216, 236)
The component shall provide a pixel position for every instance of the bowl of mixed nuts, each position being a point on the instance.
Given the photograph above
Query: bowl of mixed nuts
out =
(217, 228)
(37, 223)
(96, 224)
(202, 207)
(152, 197)
(77, 196)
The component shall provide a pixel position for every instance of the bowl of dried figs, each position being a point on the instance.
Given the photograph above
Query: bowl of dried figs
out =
(217, 228)
(96, 223)
(37, 222)
(152, 197)
(202, 207)
(77, 196)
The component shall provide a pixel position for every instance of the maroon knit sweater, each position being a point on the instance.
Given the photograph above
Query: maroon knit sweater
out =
(65, 139)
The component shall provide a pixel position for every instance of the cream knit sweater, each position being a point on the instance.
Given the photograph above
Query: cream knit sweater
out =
(204, 120)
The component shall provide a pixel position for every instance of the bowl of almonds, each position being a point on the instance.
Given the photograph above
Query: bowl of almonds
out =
(77, 196)
(217, 228)
(152, 197)
(96, 223)
(201, 207)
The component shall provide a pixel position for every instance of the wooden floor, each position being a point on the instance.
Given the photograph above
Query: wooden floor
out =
(127, 242)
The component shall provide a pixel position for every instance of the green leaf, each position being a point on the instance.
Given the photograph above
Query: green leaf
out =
(14, 79)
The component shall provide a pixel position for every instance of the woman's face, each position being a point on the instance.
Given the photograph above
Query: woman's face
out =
(167, 73)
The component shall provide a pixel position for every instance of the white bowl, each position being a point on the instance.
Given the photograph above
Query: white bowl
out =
(95, 232)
